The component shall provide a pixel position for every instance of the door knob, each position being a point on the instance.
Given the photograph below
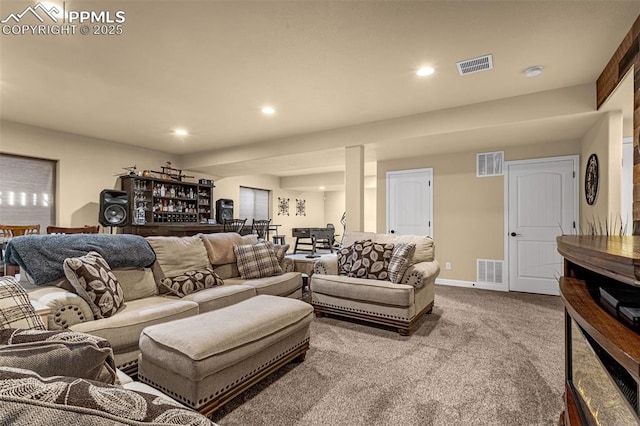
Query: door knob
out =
(392, 232)
(513, 234)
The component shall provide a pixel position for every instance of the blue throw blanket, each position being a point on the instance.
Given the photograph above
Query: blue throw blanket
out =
(42, 256)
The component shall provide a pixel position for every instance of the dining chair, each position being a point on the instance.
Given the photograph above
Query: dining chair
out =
(87, 229)
(7, 232)
(261, 228)
(233, 225)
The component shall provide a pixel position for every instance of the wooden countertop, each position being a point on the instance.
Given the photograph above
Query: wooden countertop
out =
(614, 257)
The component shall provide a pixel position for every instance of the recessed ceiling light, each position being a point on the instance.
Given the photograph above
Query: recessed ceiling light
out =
(268, 110)
(425, 71)
(533, 71)
(180, 132)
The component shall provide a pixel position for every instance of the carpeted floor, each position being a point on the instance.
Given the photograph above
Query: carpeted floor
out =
(481, 358)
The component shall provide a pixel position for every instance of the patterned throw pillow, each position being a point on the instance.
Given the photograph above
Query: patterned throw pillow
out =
(16, 310)
(191, 282)
(346, 257)
(28, 399)
(58, 353)
(279, 250)
(257, 261)
(371, 261)
(400, 261)
(91, 277)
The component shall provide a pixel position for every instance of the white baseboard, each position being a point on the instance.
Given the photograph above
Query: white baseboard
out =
(471, 284)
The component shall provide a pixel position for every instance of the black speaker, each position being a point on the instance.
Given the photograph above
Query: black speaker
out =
(224, 209)
(114, 207)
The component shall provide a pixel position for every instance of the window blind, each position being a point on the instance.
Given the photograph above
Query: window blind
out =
(27, 191)
(254, 204)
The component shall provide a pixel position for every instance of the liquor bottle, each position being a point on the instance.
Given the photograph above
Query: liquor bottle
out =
(163, 190)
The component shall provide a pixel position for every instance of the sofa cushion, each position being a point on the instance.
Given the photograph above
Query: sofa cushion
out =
(16, 310)
(399, 262)
(136, 283)
(424, 245)
(280, 251)
(278, 285)
(220, 296)
(220, 245)
(192, 282)
(352, 237)
(123, 329)
(371, 260)
(257, 261)
(29, 399)
(362, 289)
(58, 353)
(228, 270)
(91, 277)
(177, 255)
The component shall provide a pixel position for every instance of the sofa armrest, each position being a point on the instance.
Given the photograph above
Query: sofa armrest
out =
(326, 265)
(421, 274)
(67, 308)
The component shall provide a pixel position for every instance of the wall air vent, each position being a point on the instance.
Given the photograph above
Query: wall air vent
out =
(489, 164)
(473, 65)
(490, 271)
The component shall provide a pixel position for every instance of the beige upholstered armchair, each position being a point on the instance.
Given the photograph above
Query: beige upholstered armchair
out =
(396, 296)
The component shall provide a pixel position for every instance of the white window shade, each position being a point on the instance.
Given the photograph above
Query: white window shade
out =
(254, 204)
(27, 191)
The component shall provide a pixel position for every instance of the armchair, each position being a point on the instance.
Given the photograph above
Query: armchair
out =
(397, 304)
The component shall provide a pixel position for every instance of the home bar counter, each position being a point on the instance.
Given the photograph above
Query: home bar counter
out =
(176, 229)
(602, 347)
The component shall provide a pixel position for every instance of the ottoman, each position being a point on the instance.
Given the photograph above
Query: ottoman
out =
(206, 360)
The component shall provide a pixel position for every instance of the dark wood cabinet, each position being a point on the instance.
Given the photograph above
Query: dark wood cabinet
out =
(159, 201)
(602, 352)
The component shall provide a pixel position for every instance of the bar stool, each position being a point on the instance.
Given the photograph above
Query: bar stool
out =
(278, 239)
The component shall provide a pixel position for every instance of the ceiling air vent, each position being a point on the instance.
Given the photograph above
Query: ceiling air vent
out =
(489, 164)
(481, 63)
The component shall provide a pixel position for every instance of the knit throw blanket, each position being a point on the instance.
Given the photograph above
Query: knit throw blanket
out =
(42, 256)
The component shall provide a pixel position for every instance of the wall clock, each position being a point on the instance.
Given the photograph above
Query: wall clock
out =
(591, 180)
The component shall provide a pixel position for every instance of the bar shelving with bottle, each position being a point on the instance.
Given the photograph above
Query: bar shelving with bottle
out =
(156, 201)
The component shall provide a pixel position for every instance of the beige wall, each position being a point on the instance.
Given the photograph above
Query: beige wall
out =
(605, 140)
(314, 202)
(468, 211)
(86, 166)
(334, 207)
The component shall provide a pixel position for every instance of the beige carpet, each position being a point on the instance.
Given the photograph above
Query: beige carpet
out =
(481, 358)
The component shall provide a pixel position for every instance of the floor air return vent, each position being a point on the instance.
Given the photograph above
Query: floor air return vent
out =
(490, 271)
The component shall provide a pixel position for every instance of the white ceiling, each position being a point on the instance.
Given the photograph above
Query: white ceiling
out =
(209, 66)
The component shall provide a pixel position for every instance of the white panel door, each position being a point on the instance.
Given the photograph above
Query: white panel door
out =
(542, 204)
(410, 202)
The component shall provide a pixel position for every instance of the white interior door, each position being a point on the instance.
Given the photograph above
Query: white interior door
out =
(542, 203)
(410, 202)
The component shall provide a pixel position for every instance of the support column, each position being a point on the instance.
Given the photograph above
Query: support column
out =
(354, 187)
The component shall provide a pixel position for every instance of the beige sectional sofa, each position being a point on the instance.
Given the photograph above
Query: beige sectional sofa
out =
(148, 303)
(399, 305)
